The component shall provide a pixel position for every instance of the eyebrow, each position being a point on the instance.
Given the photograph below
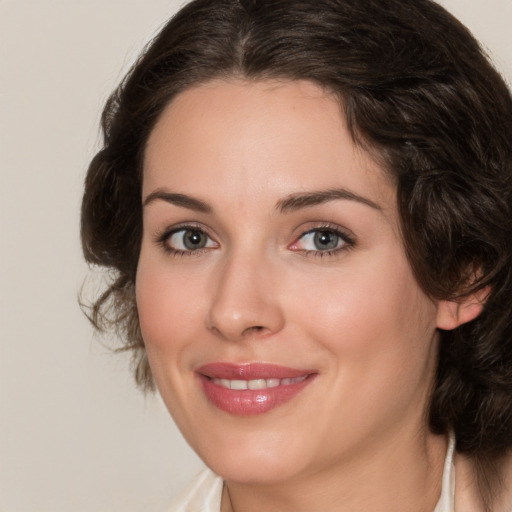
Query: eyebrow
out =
(308, 199)
(289, 204)
(179, 200)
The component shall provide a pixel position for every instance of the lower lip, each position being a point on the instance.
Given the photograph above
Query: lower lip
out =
(250, 402)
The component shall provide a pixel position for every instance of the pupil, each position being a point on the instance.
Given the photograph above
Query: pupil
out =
(326, 240)
(194, 240)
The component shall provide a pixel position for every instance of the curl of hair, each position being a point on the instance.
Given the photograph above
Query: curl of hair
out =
(420, 95)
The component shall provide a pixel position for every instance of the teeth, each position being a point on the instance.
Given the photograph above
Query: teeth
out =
(273, 383)
(256, 383)
(238, 384)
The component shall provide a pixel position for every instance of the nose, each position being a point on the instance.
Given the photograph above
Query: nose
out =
(245, 300)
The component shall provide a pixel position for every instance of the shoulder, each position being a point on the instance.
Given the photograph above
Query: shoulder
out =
(467, 497)
(203, 494)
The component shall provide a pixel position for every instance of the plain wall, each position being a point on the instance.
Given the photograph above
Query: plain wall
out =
(75, 434)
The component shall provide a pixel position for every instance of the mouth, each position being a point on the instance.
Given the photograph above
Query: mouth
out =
(251, 389)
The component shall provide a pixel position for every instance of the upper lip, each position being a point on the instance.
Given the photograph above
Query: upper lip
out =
(250, 371)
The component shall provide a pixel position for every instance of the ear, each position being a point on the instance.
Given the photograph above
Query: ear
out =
(452, 314)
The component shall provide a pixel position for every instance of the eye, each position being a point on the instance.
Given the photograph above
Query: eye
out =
(187, 240)
(323, 240)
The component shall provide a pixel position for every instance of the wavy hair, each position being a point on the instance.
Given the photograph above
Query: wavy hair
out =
(418, 93)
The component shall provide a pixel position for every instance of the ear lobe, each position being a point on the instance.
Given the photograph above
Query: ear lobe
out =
(452, 314)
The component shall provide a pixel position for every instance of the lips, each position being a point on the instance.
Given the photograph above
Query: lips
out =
(251, 389)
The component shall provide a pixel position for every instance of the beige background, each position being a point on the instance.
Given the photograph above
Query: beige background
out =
(75, 435)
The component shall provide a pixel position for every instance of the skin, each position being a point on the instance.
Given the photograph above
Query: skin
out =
(260, 291)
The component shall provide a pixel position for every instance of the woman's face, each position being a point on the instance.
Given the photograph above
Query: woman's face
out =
(282, 321)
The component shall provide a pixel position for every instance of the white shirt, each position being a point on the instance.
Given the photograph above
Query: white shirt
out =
(205, 492)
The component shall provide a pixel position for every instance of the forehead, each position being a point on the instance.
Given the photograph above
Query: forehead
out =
(238, 137)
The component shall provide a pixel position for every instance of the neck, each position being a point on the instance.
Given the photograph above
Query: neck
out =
(404, 475)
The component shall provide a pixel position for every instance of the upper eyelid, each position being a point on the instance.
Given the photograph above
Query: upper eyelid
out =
(326, 226)
(184, 226)
(345, 238)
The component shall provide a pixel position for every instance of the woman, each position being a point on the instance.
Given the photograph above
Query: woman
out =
(308, 209)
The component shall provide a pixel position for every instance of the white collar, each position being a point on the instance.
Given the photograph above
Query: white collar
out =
(446, 502)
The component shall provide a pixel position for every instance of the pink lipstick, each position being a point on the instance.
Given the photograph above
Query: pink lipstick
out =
(251, 389)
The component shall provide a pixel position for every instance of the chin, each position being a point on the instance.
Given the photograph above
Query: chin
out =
(261, 470)
(255, 458)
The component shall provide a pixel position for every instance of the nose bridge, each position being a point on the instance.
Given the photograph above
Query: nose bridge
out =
(243, 303)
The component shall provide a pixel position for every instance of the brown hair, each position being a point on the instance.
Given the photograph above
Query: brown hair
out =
(419, 93)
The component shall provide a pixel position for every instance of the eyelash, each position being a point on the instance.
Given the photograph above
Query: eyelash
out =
(347, 239)
(163, 240)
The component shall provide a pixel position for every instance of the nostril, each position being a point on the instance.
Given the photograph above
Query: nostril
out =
(254, 328)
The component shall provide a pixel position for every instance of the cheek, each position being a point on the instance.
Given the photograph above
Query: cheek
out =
(368, 311)
(152, 294)
(377, 330)
(166, 303)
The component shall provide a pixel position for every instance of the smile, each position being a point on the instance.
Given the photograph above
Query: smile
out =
(256, 383)
(251, 389)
